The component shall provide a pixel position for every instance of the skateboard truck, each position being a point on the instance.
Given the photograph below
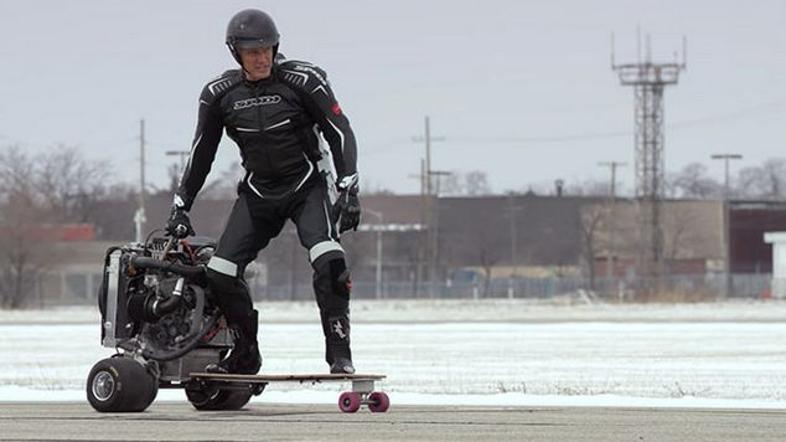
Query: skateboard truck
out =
(363, 394)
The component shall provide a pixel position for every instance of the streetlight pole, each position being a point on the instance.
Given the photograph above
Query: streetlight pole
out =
(726, 157)
(139, 217)
(726, 234)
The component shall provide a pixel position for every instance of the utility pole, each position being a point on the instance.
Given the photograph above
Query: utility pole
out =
(183, 154)
(429, 202)
(421, 177)
(612, 165)
(649, 80)
(427, 139)
(612, 225)
(139, 216)
(726, 234)
(434, 229)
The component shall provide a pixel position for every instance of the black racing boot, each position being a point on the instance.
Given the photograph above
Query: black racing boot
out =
(244, 357)
(332, 287)
(343, 366)
(337, 352)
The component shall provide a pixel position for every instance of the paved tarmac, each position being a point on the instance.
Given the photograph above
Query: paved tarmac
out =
(176, 421)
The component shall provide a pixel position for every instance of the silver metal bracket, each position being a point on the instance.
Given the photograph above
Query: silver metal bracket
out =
(363, 386)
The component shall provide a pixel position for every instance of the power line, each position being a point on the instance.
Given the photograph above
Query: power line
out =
(738, 115)
(584, 136)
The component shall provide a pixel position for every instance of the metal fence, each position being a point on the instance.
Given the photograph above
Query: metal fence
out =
(675, 287)
(75, 288)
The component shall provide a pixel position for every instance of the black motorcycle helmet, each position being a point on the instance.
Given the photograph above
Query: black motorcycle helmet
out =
(249, 29)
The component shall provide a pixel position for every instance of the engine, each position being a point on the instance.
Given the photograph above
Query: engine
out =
(154, 299)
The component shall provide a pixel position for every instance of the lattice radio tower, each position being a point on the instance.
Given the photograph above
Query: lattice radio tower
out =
(648, 80)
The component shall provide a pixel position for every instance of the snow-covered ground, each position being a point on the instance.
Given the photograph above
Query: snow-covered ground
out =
(730, 354)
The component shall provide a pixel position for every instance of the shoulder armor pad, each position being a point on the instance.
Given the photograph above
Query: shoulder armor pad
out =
(221, 84)
(303, 74)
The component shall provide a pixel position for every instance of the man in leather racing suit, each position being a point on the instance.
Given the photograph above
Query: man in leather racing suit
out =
(275, 110)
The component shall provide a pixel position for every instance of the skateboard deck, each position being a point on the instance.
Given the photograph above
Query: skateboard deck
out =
(291, 377)
(349, 401)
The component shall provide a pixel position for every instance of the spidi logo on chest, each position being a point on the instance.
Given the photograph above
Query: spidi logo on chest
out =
(257, 101)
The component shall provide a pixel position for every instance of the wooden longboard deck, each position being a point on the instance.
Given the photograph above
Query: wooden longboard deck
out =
(297, 377)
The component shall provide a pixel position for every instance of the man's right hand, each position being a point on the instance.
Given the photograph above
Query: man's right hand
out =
(178, 224)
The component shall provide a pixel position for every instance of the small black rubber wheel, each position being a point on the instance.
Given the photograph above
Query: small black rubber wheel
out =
(120, 384)
(217, 400)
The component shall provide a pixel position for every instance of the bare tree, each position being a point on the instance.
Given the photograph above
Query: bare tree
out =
(37, 193)
(453, 184)
(773, 178)
(767, 181)
(747, 182)
(16, 168)
(693, 181)
(472, 183)
(476, 183)
(25, 251)
(69, 185)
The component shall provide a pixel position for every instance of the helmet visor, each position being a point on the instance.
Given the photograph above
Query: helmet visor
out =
(243, 43)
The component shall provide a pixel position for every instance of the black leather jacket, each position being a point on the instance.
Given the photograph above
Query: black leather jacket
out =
(275, 123)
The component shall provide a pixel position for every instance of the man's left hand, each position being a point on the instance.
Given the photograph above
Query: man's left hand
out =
(349, 210)
(179, 225)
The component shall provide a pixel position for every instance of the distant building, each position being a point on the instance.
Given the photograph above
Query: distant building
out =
(748, 221)
(475, 250)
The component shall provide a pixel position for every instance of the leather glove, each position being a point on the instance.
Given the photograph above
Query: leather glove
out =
(178, 225)
(348, 204)
(349, 211)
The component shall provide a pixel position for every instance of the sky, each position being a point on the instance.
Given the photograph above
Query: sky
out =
(522, 90)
